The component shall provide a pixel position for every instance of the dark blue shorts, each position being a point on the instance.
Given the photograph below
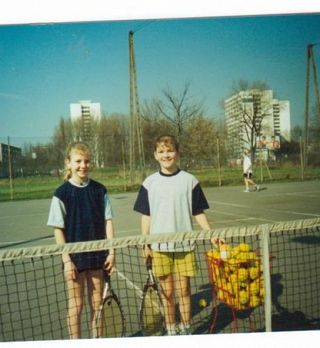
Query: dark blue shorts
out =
(89, 260)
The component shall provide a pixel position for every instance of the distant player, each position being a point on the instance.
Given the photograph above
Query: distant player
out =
(80, 211)
(167, 201)
(247, 172)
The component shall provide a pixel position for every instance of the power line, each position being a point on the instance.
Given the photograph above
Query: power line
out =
(143, 25)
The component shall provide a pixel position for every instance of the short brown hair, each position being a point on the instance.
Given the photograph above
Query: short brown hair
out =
(168, 140)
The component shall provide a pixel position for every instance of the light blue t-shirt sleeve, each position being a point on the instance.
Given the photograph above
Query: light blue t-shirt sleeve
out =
(57, 213)
(108, 213)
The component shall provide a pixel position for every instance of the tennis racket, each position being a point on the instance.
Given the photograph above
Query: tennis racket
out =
(109, 320)
(151, 309)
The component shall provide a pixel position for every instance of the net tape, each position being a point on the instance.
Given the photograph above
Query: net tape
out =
(139, 240)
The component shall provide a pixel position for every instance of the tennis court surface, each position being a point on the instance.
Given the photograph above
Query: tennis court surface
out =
(281, 224)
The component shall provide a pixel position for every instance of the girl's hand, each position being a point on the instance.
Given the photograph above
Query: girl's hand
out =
(217, 242)
(147, 252)
(70, 270)
(109, 263)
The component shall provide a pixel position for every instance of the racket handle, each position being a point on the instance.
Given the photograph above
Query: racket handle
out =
(149, 263)
(106, 276)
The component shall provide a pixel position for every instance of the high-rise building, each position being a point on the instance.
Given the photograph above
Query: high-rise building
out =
(86, 112)
(254, 118)
(10, 158)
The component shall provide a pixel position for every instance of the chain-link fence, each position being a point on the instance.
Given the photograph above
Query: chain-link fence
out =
(32, 168)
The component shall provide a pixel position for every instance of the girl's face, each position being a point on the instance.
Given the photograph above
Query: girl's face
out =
(79, 164)
(167, 157)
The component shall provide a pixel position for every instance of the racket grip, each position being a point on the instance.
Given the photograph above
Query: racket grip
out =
(106, 275)
(149, 262)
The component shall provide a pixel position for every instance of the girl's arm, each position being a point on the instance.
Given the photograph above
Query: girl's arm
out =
(145, 229)
(111, 256)
(110, 233)
(60, 239)
(203, 221)
(204, 224)
(69, 268)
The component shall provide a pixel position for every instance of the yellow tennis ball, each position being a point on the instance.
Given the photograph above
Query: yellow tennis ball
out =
(242, 274)
(252, 256)
(242, 256)
(254, 272)
(254, 288)
(215, 254)
(234, 251)
(243, 297)
(225, 247)
(232, 262)
(202, 303)
(254, 301)
(233, 278)
(244, 247)
(220, 295)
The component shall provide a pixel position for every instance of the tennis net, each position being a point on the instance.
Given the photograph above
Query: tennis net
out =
(33, 302)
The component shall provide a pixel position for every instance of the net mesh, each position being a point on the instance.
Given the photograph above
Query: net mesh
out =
(33, 302)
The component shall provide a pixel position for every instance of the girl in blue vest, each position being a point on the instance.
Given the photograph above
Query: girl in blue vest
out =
(80, 211)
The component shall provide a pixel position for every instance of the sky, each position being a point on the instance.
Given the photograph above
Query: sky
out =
(45, 67)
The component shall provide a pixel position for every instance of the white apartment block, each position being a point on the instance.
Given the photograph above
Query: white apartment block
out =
(270, 116)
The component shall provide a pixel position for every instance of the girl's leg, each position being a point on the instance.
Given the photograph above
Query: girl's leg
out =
(246, 183)
(251, 182)
(95, 286)
(184, 294)
(75, 304)
(167, 295)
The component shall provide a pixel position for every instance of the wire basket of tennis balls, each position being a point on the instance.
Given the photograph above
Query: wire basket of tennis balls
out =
(236, 276)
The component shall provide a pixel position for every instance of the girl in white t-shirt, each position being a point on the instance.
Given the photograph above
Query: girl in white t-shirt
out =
(247, 172)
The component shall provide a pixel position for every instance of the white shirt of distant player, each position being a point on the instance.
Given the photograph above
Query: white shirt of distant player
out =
(247, 164)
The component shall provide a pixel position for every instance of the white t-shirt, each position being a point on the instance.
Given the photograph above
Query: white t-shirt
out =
(247, 164)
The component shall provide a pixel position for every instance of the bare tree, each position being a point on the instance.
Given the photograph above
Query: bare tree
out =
(154, 124)
(254, 104)
(63, 135)
(200, 149)
(111, 134)
(179, 108)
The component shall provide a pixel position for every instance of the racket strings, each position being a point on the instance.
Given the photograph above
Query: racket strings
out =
(152, 313)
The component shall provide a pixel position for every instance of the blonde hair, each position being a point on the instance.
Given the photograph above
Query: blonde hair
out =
(167, 140)
(78, 147)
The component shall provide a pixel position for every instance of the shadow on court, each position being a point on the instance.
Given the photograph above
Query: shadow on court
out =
(311, 240)
(203, 317)
(283, 319)
(262, 188)
(21, 243)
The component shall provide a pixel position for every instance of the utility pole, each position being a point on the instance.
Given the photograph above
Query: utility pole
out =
(135, 135)
(10, 169)
(218, 161)
(310, 59)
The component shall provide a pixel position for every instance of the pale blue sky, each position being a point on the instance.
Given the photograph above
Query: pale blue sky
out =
(44, 68)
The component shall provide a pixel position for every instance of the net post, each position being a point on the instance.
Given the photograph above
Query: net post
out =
(265, 237)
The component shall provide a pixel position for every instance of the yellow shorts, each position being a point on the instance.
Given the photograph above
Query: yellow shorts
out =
(183, 263)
